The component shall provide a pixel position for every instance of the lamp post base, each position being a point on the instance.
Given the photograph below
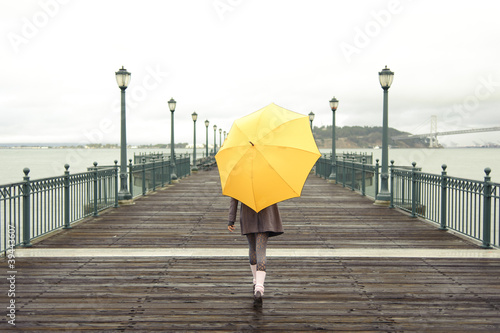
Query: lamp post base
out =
(126, 202)
(124, 195)
(385, 203)
(383, 199)
(173, 178)
(331, 178)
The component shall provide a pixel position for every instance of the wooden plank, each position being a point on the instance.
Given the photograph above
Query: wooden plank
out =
(301, 294)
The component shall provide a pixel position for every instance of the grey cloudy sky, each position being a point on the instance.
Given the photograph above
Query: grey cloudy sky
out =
(227, 58)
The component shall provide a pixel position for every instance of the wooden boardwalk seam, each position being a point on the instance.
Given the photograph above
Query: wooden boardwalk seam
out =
(196, 294)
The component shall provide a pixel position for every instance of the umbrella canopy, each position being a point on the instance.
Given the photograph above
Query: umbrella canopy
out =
(266, 157)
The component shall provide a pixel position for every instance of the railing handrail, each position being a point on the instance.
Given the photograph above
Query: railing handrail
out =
(436, 174)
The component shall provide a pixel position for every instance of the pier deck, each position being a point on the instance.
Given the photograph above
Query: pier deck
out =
(168, 263)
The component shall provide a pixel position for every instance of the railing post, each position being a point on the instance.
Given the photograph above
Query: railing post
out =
(414, 190)
(96, 209)
(487, 210)
(154, 174)
(363, 183)
(169, 170)
(163, 171)
(325, 169)
(319, 162)
(353, 175)
(186, 170)
(326, 165)
(336, 169)
(188, 162)
(143, 176)
(182, 167)
(26, 208)
(130, 178)
(343, 171)
(391, 204)
(444, 197)
(376, 177)
(116, 184)
(319, 171)
(181, 159)
(66, 198)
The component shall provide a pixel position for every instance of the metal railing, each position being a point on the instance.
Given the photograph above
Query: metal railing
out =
(467, 206)
(152, 173)
(33, 208)
(352, 172)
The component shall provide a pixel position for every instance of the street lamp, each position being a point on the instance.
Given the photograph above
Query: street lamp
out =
(311, 118)
(123, 79)
(206, 144)
(194, 115)
(215, 140)
(220, 137)
(384, 196)
(171, 106)
(334, 103)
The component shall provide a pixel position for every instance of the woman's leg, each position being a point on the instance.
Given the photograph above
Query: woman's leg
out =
(257, 244)
(252, 254)
(260, 249)
(260, 275)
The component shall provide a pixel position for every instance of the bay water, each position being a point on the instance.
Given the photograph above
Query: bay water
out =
(461, 162)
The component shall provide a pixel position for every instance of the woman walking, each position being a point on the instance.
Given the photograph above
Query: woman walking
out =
(257, 227)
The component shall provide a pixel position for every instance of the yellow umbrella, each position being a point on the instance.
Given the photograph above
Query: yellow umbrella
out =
(266, 157)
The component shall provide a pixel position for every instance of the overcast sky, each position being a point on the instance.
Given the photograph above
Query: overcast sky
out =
(227, 58)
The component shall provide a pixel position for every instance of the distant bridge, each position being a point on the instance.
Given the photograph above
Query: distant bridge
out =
(434, 133)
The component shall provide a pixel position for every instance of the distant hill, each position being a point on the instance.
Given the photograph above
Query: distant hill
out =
(362, 137)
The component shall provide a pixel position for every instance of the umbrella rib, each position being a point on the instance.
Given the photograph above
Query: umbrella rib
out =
(296, 148)
(253, 191)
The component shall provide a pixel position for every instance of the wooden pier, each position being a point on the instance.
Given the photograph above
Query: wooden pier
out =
(167, 263)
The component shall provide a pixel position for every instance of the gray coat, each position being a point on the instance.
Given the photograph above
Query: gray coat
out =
(267, 220)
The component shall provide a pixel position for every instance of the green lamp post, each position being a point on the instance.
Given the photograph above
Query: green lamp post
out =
(123, 79)
(220, 137)
(171, 105)
(206, 144)
(215, 139)
(384, 196)
(334, 103)
(194, 116)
